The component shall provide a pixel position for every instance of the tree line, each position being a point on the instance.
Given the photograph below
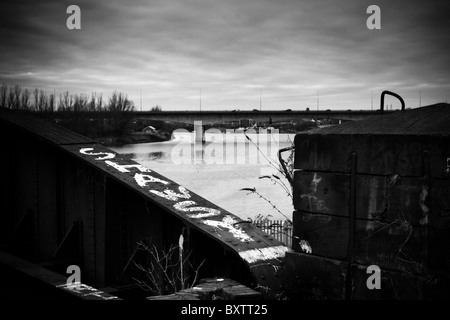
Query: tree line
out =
(38, 100)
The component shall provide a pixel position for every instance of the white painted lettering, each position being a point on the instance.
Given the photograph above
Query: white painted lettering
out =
(261, 254)
(103, 155)
(172, 195)
(144, 179)
(124, 167)
(229, 223)
(183, 206)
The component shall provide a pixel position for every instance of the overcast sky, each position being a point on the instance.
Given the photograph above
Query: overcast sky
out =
(287, 52)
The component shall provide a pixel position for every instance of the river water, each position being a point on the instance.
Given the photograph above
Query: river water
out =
(220, 167)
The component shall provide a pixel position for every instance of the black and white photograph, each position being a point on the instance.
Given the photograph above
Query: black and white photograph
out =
(229, 158)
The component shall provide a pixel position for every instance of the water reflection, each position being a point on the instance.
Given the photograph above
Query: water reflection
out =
(158, 155)
(219, 168)
(218, 149)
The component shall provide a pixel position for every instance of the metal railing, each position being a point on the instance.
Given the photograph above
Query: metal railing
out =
(279, 229)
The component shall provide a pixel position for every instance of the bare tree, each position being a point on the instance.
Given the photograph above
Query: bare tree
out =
(42, 101)
(10, 99)
(80, 103)
(16, 100)
(3, 95)
(65, 101)
(51, 102)
(120, 109)
(119, 102)
(95, 103)
(25, 100)
(91, 104)
(99, 103)
(36, 99)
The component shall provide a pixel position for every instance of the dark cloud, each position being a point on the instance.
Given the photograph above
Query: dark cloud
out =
(231, 50)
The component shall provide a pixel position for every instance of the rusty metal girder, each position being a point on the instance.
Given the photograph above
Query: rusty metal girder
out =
(260, 252)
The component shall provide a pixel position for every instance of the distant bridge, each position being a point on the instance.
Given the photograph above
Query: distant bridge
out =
(211, 117)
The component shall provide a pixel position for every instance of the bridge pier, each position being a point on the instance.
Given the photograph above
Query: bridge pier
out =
(199, 132)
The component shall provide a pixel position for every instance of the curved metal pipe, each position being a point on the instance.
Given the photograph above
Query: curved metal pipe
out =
(385, 92)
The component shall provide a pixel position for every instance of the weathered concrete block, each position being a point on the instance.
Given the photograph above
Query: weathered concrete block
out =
(399, 286)
(181, 295)
(439, 204)
(331, 152)
(311, 277)
(393, 285)
(210, 288)
(438, 150)
(395, 246)
(213, 289)
(322, 152)
(371, 197)
(408, 200)
(327, 235)
(419, 201)
(321, 192)
(240, 292)
(438, 251)
(378, 154)
(402, 206)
